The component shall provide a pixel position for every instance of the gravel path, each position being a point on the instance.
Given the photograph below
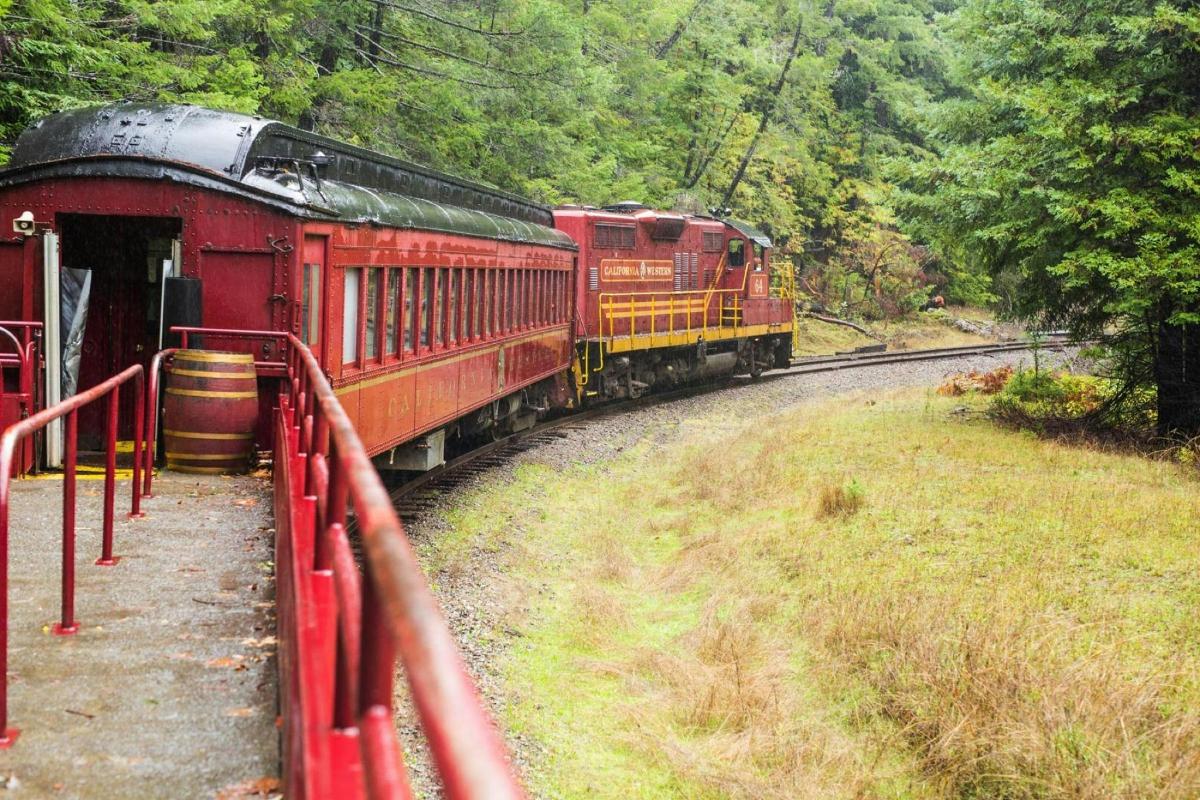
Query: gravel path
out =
(474, 598)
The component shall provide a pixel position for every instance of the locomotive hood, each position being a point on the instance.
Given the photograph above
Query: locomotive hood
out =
(271, 162)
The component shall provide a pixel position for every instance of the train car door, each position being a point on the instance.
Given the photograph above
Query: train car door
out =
(311, 293)
(125, 257)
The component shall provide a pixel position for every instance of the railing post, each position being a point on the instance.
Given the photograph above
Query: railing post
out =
(68, 625)
(7, 446)
(110, 481)
(139, 420)
(348, 583)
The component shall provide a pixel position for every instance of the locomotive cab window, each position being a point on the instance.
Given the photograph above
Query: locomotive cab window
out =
(758, 257)
(737, 253)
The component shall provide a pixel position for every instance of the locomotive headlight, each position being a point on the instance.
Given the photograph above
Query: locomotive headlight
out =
(24, 224)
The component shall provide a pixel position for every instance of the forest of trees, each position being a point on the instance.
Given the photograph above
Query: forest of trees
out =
(1038, 156)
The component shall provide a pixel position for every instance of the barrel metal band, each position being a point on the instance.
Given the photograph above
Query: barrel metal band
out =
(206, 393)
(206, 456)
(200, 470)
(199, 373)
(220, 358)
(202, 435)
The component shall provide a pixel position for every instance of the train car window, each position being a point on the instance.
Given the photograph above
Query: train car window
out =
(530, 296)
(468, 302)
(522, 299)
(510, 300)
(515, 302)
(410, 321)
(310, 304)
(737, 253)
(712, 241)
(501, 300)
(489, 296)
(543, 296)
(452, 307)
(350, 315)
(758, 257)
(371, 344)
(426, 304)
(439, 309)
(480, 294)
(391, 323)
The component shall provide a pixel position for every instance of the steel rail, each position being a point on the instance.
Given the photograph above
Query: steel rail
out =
(9, 440)
(808, 366)
(800, 366)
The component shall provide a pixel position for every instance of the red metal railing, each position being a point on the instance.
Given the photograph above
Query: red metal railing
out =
(343, 628)
(9, 440)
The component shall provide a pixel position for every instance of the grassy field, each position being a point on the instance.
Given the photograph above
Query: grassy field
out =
(858, 599)
(917, 331)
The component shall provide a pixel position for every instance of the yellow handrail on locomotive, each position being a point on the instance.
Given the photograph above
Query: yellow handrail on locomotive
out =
(706, 304)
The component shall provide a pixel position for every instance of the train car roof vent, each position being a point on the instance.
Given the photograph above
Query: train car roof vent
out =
(625, 207)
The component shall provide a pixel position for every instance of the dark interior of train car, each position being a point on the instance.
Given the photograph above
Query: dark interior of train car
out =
(115, 264)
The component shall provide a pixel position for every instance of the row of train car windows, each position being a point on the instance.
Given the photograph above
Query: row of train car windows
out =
(454, 306)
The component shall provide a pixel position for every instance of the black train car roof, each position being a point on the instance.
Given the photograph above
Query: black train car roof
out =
(272, 162)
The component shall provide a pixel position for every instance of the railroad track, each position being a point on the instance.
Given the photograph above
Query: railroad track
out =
(420, 494)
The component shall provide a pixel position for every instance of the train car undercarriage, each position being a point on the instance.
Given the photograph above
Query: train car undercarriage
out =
(634, 374)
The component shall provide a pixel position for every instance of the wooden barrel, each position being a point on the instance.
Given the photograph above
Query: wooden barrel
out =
(210, 411)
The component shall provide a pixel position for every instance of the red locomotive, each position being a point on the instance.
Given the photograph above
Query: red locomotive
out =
(437, 306)
(664, 299)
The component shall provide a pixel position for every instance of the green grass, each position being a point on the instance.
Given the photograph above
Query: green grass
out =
(991, 616)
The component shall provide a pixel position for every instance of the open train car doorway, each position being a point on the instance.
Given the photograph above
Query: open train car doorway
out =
(112, 271)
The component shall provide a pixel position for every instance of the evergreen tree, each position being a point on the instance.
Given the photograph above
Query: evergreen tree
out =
(1072, 166)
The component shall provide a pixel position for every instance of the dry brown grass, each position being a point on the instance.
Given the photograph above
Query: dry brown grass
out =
(1000, 706)
(839, 500)
(1001, 618)
(739, 725)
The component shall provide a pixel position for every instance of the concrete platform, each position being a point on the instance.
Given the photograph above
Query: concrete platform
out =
(169, 688)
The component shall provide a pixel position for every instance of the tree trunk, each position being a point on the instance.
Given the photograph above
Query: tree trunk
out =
(768, 109)
(1177, 377)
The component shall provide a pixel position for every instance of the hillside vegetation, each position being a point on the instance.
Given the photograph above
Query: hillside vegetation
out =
(1042, 156)
(858, 599)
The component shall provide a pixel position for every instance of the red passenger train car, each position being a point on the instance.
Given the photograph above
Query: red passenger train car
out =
(438, 307)
(427, 299)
